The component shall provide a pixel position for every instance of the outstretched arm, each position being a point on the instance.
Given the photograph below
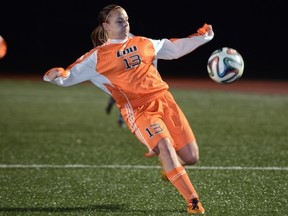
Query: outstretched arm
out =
(81, 70)
(178, 47)
(56, 75)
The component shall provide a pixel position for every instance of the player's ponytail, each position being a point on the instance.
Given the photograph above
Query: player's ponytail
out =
(99, 36)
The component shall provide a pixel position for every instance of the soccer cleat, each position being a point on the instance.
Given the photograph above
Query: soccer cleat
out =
(195, 207)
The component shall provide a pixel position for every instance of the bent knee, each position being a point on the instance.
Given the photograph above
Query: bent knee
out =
(192, 160)
(189, 154)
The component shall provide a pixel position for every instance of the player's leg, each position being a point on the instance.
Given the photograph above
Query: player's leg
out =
(147, 124)
(182, 134)
(121, 121)
(177, 175)
(110, 104)
(108, 110)
(189, 154)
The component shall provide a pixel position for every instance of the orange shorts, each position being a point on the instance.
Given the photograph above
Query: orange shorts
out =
(158, 119)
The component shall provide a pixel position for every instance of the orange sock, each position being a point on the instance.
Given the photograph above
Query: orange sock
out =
(180, 179)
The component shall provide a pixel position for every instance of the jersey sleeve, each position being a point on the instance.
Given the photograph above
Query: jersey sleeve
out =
(83, 69)
(178, 47)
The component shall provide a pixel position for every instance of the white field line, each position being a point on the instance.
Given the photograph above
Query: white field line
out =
(83, 166)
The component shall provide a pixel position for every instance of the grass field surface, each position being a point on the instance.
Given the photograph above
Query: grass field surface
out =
(61, 154)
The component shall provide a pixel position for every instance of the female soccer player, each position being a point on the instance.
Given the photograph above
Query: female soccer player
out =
(123, 67)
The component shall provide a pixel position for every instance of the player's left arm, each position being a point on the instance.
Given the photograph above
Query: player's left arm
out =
(178, 47)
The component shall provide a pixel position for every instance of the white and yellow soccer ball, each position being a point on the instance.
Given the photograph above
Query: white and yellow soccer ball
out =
(225, 65)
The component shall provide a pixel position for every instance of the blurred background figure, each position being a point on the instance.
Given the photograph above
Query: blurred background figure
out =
(108, 109)
(3, 47)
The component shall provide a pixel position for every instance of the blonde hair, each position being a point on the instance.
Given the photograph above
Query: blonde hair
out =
(99, 35)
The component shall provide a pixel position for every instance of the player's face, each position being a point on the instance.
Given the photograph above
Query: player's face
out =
(118, 25)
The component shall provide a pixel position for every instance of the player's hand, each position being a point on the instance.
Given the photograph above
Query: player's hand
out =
(210, 30)
(206, 29)
(53, 73)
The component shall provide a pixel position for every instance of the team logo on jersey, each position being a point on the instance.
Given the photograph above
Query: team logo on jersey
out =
(126, 51)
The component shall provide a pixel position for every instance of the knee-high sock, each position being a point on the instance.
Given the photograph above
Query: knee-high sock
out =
(180, 179)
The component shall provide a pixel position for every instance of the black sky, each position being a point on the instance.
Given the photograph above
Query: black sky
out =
(43, 34)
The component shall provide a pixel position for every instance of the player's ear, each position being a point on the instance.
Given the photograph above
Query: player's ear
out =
(105, 26)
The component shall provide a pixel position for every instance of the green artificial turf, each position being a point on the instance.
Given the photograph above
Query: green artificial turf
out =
(61, 154)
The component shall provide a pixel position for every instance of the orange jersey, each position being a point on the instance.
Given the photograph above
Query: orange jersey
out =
(130, 69)
(126, 69)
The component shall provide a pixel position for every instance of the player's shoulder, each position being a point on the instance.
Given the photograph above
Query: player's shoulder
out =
(140, 39)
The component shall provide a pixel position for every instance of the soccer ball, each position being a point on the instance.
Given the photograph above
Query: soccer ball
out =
(3, 47)
(225, 65)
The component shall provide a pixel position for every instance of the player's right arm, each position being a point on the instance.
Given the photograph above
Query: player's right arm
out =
(81, 70)
(56, 75)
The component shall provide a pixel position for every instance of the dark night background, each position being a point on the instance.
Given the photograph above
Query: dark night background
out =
(43, 34)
